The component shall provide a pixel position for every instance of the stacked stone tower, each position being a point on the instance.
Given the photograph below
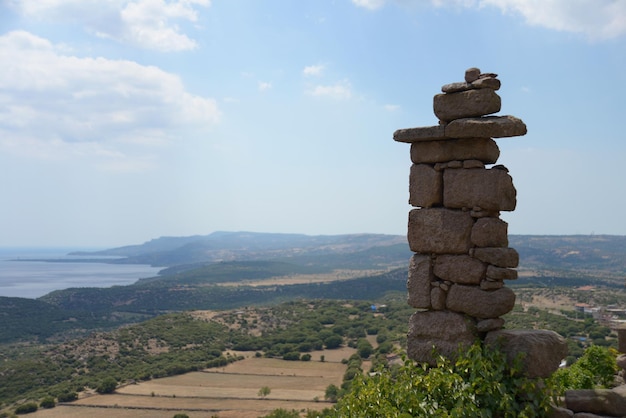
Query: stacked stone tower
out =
(462, 260)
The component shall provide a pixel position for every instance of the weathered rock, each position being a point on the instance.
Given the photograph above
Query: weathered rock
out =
(491, 285)
(466, 104)
(486, 83)
(478, 212)
(440, 231)
(596, 401)
(427, 133)
(418, 284)
(499, 273)
(425, 186)
(472, 74)
(559, 412)
(621, 340)
(457, 87)
(468, 164)
(438, 298)
(491, 324)
(490, 232)
(445, 331)
(480, 303)
(461, 269)
(481, 149)
(542, 350)
(500, 257)
(489, 126)
(489, 189)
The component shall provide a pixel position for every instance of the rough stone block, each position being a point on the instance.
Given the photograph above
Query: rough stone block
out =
(431, 152)
(487, 127)
(500, 257)
(426, 133)
(490, 232)
(488, 189)
(491, 324)
(443, 330)
(438, 298)
(542, 350)
(466, 104)
(440, 231)
(418, 284)
(480, 303)
(491, 285)
(425, 186)
(461, 269)
(499, 273)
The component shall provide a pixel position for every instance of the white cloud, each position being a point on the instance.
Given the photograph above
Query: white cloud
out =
(369, 4)
(60, 106)
(338, 91)
(391, 107)
(313, 70)
(264, 86)
(150, 24)
(596, 19)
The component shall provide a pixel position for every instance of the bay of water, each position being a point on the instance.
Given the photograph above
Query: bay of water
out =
(32, 279)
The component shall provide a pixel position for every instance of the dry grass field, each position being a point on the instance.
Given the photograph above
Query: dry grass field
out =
(228, 392)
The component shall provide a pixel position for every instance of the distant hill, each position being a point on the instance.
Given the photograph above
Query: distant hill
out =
(236, 246)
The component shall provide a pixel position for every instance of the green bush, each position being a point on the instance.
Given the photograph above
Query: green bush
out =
(595, 368)
(48, 402)
(26, 408)
(67, 397)
(107, 385)
(478, 384)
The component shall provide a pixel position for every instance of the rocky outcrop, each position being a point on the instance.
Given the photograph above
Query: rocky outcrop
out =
(462, 259)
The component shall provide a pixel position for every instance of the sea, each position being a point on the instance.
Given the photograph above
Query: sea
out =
(20, 277)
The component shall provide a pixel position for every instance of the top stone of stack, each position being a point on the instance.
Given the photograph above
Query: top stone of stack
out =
(463, 111)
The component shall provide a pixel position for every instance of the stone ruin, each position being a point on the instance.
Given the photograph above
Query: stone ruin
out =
(461, 256)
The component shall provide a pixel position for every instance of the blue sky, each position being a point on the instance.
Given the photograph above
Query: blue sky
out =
(126, 120)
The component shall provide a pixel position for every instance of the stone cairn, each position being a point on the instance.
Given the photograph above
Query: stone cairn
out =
(462, 259)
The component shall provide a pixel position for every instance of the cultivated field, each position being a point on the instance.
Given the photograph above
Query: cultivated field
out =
(228, 392)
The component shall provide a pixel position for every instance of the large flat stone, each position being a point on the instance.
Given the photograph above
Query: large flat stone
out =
(444, 331)
(498, 256)
(541, 351)
(486, 127)
(489, 189)
(466, 104)
(461, 269)
(431, 152)
(490, 232)
(440, 231)
(425, 133)
(479, 303)
(425, 186)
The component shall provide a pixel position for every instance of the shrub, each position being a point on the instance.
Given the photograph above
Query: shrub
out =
(181, 416)
(48, 402)
(67, 396)
(478, 384)
(26, 408)
(595, 368)
(108, 385)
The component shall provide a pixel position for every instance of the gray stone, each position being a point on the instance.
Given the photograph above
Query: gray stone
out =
(472, 74)
(541, 350)
(490, 232)
(621, 361)
(488, 189)
(457, 87)
(444, 331)
(559, 412)
(473, 164)
(426, 133)
(491, 285)
(439, 231)
(500, 257)
(487, 83)
(499, 273)
(491, 324)
(461, 269)
(480, 213)
(596, 401)
(480, 303)
(425, 186)
(418, 284)
(466, 104)
(481, 149)
(490, 126)
(438, 298)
